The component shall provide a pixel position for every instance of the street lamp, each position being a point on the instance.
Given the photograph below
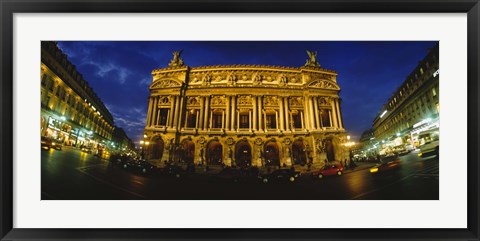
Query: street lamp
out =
(143, 145)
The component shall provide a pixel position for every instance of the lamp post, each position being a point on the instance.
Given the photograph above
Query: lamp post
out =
(143, 145)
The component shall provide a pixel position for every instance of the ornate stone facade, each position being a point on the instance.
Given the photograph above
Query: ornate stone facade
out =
(241, 115)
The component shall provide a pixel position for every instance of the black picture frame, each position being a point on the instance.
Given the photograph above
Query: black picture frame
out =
(9, 7)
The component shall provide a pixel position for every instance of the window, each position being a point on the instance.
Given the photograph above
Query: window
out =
(191, 119)
(217, 120)
(421, 71)
(271, 121)
(44, 77)
(164, 116)
(297, 120)
(325, 118)
(244, 122)
(434, 93)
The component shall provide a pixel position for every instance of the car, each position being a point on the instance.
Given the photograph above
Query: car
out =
(328, 170)
(57, 144)
(229, 174)
(86, 149)
(429, 148)
(387, 163)
(280, 175)
(141, 166)
(46, 143)
(172, 170)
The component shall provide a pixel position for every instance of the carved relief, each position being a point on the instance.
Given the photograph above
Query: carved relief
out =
(324, 101)
(282, 80)
(296, 101)
(323, 85)
(165, 84)
(218, 100)
(271, 100)
(218, 79)
(244, 100)
(257, 79)
(193, 101)
(164, 101)
(206, 79)
(231, 79)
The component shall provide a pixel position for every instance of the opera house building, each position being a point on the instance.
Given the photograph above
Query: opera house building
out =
(245, 115)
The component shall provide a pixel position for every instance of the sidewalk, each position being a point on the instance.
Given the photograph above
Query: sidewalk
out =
(360, 166)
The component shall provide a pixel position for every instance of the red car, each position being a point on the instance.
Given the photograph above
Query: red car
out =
(386, 164)
(328, 170)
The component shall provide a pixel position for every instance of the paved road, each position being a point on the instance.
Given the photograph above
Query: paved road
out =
(72, 175)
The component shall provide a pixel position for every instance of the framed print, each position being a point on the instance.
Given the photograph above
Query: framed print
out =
(239, 120)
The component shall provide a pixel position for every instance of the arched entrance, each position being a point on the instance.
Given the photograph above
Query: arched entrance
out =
(214, 153)
(271, 154)
(156, 148)
(298, 153)
(188, 151)
(243, 154)
(330, 150)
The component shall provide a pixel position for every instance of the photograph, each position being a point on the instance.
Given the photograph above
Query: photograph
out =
(239, 120)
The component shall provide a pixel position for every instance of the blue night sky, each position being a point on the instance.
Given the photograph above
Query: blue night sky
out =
(368, 71)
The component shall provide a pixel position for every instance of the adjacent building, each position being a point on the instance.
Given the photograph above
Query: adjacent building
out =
(245, 115)
(121, 142)
(70, 110)
(411, 115)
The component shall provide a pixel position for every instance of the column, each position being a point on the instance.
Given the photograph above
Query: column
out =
(260, 109)
(334, 112)
(282, 127)
(157, 121)
(276, 120)
(339, 116)
(255, 109)
(311, 113)
(181, 113)
(150, 106)
(250, 120)
(154, 113)
(233, 112)
(171, 112)
(330, 117)
(201, 112)
(176, 113)
(197, 118)
(302, 119)
(223, 119)
(207, 112)
(168, 117)
(317, 122)
(306, 113)
(287, 114)
(227, 124)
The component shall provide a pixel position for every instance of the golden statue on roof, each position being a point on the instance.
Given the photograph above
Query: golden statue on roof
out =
(312, 61)
(176, 61)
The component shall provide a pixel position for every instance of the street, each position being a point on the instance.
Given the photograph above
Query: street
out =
(70, 174)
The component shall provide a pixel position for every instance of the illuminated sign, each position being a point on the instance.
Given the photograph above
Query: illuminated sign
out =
(436, 73)
(385, 112)
(422, 122)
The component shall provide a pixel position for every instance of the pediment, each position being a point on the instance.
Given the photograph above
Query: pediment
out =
(323, 84)
(165, 83)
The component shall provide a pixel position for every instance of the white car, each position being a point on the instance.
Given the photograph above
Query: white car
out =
(429, 148)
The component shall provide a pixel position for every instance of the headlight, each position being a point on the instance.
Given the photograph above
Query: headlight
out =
(420, 154)
(53, 144)
(375, 169)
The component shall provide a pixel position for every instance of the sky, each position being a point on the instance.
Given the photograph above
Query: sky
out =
(368, 71)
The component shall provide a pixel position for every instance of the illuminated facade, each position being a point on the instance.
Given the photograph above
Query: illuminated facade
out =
(245, 115)
(70, 109)
(411, 115)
